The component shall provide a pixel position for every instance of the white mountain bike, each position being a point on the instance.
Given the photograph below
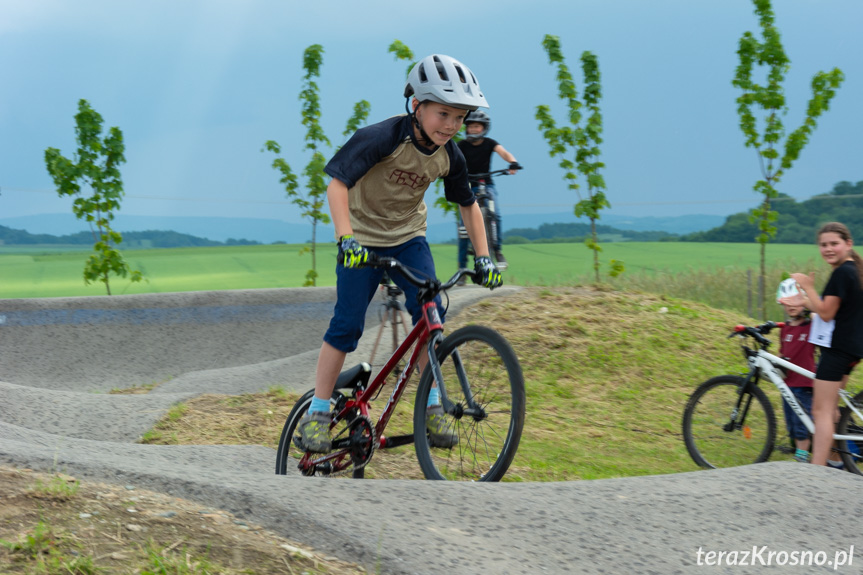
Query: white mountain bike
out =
(729, 420)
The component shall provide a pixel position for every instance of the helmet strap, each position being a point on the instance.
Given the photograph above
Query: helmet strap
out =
(426, 140)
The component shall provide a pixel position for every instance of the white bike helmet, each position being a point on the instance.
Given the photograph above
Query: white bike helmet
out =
(444, 80)
(787, 288)
(479, 117)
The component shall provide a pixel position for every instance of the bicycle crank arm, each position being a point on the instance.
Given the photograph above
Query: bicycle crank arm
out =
(395, 441)
(338, 445)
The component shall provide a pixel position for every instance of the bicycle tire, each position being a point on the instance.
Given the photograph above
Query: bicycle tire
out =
(708, 413)
(851, 451)
(287, 451)
(486, 445)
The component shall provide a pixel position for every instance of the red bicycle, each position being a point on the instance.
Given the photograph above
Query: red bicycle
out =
(481, 389)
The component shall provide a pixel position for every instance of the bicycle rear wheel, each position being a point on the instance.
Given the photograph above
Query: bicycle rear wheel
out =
(723, 428)
(487, 438)
(850, 424)
(288, 455)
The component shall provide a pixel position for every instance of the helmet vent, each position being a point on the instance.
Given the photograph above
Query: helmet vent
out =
(461, 76)
(441, 70)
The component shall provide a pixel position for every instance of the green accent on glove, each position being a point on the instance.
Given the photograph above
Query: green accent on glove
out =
(351, 253)
(489, 276)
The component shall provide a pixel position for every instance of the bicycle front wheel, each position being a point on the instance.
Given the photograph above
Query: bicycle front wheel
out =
(850, 424)
(488, 427)
(724, 428)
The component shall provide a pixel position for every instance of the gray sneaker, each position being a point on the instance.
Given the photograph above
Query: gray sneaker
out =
(315, 431)
(439, 427)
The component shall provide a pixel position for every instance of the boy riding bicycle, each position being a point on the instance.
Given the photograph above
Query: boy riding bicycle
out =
(379, 178)
(478, 148)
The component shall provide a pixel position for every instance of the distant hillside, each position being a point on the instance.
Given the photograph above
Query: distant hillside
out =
(131, 240)
(577, 232)
(797, 221)
(219, 229)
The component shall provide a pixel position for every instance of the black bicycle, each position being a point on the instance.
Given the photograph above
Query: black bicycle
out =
(487, 207)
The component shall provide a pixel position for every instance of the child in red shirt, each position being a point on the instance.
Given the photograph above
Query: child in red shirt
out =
(796, 348)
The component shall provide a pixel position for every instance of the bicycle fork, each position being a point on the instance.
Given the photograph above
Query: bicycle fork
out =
(735, 422)
(473, 409)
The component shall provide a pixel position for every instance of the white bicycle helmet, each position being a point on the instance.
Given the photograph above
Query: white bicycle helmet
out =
(444, 80)
(479, 117)
(787, 288)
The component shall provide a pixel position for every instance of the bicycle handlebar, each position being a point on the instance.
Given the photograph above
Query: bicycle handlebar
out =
(432, 284)
(503, 172)
(757, 333)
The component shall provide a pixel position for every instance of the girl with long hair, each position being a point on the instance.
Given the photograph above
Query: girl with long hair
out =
(841, 301)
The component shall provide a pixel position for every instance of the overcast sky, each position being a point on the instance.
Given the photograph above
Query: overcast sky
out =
(197, 87)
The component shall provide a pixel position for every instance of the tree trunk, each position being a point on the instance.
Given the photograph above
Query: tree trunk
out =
(314, 261)
(595, 250)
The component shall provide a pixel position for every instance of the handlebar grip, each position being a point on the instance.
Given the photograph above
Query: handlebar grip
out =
(373, 259)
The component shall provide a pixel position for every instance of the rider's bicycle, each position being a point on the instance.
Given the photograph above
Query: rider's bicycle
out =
(730, 421)
(481, 390)
(487, 206)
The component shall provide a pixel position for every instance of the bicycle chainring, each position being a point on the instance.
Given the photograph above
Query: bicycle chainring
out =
(363, 441)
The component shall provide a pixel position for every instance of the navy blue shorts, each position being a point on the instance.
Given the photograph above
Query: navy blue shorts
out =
(356, 288)
(795, 426)
(834, 364)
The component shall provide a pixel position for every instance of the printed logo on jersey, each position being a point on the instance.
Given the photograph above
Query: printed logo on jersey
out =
(410, 179)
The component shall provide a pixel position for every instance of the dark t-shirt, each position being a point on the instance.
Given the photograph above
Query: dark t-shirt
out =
(844, 283)
(478, 156)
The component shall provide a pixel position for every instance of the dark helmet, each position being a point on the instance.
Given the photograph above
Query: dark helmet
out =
(478, 117)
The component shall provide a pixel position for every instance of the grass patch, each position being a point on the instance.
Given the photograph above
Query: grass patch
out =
(58, 488)
(35, 275)
(135, 389)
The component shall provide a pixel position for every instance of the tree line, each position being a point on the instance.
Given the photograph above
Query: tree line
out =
(579, 232)
(796, 222)
(144, 239)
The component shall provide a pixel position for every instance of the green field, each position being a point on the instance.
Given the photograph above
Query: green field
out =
(33, 272)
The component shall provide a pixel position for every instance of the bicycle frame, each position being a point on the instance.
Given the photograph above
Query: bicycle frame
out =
(428, 328)
(766, 363)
